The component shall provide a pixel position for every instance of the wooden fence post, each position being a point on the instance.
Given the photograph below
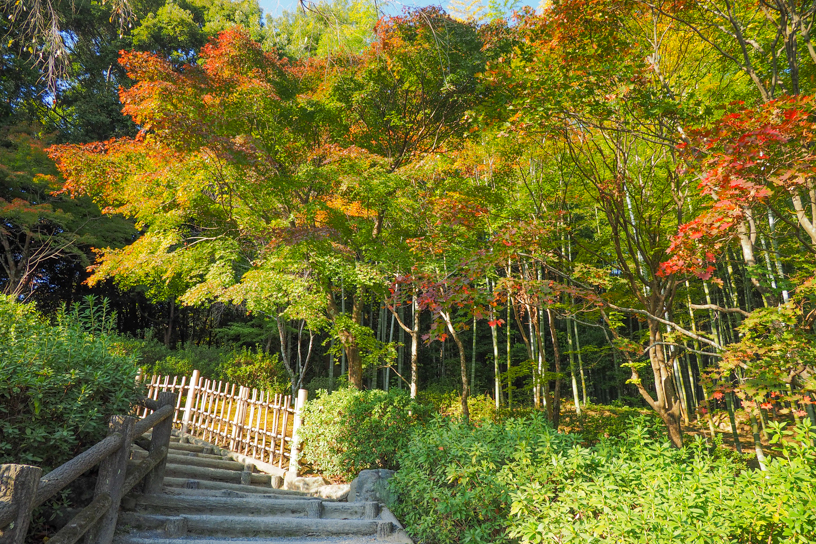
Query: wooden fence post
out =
(110, 480)
(303, 396)
(160, 438)
(18, 487)
(188, 407)
(240, 417)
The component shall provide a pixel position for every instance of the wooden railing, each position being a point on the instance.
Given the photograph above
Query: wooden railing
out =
(247, 421)
(22, 488)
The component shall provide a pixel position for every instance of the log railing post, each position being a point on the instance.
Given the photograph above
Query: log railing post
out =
(188, 407)
(303, 396)
(160, 438)
(110, 480)
(18, 487)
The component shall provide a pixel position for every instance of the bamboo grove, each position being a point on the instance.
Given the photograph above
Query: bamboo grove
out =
(608, 200)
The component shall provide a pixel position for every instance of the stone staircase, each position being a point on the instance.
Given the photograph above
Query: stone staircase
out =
(209, 498)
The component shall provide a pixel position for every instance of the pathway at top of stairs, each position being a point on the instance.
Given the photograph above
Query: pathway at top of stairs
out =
(212, 499)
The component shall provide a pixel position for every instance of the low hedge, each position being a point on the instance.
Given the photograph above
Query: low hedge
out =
(519, 481)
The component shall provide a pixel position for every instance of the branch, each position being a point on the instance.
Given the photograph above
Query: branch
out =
(719, 309)
(668, 323)
(681, 346)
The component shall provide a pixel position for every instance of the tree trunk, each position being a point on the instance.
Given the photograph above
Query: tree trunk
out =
(347, 338)
(555, 410)
(667, 403)
(414, 347)
(462, 365)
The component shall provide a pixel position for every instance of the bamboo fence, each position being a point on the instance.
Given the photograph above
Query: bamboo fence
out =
(254, 423)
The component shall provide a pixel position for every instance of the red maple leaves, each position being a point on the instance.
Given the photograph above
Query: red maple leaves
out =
(745, 159)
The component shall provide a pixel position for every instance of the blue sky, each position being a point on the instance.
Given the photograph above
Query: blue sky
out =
(275, 7)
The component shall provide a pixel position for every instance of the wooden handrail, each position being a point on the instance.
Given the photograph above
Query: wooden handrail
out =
(144, 425)
(56, 480)
(100, 516)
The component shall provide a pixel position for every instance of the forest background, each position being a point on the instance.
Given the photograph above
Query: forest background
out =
(592, 203)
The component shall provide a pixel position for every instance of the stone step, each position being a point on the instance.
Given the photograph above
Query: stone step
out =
(254, 506)
(255, 491)
(244, 526)
(216, 474)
(128, 539)
(189, 447)
(186, 454)
(200, 461)
(195, 483)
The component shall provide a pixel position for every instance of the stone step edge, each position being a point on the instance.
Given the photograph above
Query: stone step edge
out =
(194, 483)
(242, 526)
(273, 505)
(262, 466)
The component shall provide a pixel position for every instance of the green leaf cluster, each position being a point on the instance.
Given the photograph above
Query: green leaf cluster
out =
(59, 383)
(348, 431)
(520, 481)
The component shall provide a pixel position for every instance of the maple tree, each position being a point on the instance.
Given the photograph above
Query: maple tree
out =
(592, 180)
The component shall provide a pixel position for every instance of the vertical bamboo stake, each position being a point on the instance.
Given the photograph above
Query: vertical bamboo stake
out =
(188, 406)
(275, 422)
(178, 397)
(285, 418)
(228, 419)
(248, 441)
(219, 435)
(303, 396)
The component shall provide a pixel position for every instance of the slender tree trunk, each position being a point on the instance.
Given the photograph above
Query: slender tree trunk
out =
(509, 362)
(555, 411)
(401, 354)
(580, 363)
(494, 334)
(574, 381)
(168, 333)
(753, 413)
(386, 385)
(331, 365)
(462, 365)
(414, 346)
(343, 368)
(473, 355)
(729, 402)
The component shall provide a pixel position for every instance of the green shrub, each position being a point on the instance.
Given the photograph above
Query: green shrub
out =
(598, 422)
(453, 485)
(348, 431)
(182, 361)
(448, 403)
(59, 383)
(244, 366)
(521, 482)
(254, 368)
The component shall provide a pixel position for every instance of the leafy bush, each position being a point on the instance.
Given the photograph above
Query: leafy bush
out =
(252, 368)
(59, 383)
(522, 482)
(453, 484)
(446, 401)
(349, 430)
(597, 422)
(182, 361)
